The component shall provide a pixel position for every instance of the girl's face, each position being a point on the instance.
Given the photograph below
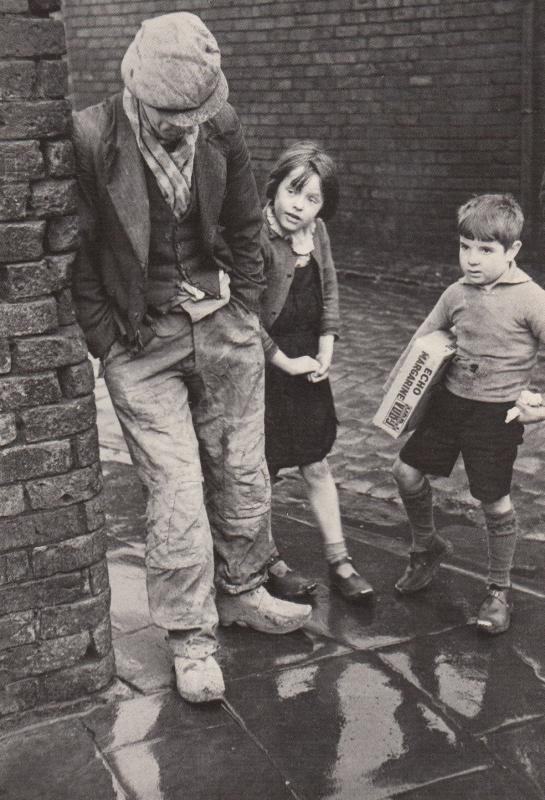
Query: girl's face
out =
(296, 208)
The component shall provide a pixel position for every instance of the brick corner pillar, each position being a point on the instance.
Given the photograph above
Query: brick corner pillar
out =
(55, 636)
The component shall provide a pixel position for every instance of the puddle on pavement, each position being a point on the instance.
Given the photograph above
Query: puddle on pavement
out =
(344, 727)
(476, 677)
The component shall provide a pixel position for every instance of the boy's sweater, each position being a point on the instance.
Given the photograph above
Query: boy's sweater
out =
(498, 331)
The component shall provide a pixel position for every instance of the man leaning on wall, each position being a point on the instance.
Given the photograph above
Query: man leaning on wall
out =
(166, 287)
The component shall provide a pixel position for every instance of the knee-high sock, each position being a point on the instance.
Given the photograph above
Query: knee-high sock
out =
(419, 508)
(502, 532)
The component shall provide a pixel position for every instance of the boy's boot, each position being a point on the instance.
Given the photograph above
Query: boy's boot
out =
(428, 548)
(495, 613)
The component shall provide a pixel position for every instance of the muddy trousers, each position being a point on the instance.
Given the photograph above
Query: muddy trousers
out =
(191, 410)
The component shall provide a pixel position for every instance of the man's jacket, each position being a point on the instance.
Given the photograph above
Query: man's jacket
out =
(110, 272)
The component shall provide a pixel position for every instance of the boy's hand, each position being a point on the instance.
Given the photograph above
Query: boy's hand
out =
(530, 414)
(528, 409)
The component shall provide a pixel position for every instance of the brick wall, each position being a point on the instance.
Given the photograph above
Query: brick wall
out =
(419, 100)
(55, 640)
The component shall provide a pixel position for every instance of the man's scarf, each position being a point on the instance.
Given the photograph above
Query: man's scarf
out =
(172, 171)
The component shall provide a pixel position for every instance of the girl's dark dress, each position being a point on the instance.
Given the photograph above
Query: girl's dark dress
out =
(300, 421)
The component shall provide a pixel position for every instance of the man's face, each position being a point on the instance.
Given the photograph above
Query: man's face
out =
(484, 262)
(162, 124)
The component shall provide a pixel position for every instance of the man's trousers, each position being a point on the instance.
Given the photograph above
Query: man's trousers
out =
(191, 409)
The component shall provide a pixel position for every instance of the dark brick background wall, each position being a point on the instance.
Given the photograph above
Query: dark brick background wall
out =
(420, 101)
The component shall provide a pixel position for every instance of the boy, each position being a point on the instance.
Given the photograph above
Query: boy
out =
(499, 316)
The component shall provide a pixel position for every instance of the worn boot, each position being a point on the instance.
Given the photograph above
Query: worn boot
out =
(423, 565)
(291, 586)
(287, 583)
(259, 610)
(199, 680)
(495, 613)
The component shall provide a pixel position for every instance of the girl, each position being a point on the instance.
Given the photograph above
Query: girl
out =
(300, 320)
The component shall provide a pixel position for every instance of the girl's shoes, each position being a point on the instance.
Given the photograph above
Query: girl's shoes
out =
(354, 587)
(495, 613)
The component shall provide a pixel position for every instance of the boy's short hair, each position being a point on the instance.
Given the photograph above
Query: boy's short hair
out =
(313, 160)
(491, 217)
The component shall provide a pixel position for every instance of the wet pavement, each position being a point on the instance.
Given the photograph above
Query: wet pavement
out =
(399, 698)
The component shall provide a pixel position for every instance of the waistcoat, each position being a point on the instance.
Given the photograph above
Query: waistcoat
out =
(175, 250)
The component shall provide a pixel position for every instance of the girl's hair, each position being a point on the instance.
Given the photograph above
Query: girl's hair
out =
(309, 157)
(491, 217)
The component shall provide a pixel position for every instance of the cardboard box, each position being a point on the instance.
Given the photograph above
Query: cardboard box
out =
(423, 366)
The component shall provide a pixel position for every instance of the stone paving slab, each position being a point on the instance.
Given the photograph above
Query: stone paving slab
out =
(161, 747)
(129, 596)
(59, 760)
(523, 747)
(482, 682)
(370, 733)
(244, 653)
(218, 763)
(143, 659)
(147, 718)
(495, 783)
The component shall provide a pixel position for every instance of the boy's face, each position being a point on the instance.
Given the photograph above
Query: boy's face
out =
(484, 262)
(295, 208)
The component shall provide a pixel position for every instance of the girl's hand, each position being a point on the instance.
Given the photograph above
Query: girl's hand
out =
(301, 365)
(322, 372)
(294, 366)
(324, 357)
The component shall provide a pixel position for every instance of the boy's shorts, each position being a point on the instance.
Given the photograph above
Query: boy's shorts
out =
(452, 425)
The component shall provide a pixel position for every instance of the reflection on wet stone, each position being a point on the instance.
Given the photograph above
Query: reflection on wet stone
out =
(360, 732)
(478, 679)
(220, 763)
